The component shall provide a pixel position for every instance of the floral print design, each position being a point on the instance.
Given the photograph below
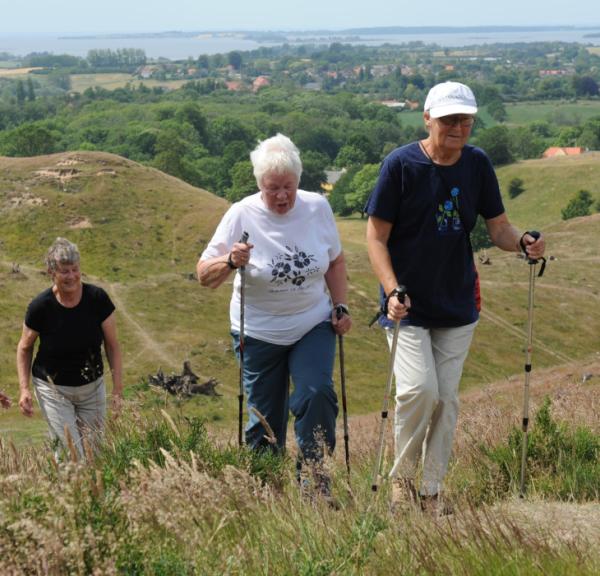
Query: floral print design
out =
(448, 216)
(293, 266)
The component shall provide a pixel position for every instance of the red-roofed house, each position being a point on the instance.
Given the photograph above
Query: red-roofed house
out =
(564, 151)
(260, 82)
(233, 85)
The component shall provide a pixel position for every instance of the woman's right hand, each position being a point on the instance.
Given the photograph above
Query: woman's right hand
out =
(240, 253)
(26, 403)
(396, 309)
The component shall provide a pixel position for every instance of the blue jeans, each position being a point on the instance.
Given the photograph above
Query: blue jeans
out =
(267, 372)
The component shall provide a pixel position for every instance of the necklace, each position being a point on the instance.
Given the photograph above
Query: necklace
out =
(424, 149)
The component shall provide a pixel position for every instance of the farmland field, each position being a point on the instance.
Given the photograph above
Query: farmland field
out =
(80, 82)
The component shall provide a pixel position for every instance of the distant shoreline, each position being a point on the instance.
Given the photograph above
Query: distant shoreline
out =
(278, 35)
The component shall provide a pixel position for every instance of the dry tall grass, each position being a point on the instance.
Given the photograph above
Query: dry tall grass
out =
(164, 498)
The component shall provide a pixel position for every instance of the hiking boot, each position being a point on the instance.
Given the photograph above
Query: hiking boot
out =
(404, 494)
(435, 506)
(323, 489)
(318, 488)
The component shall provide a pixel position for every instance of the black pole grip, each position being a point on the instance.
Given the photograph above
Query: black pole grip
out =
(401, 292)
(244, 237)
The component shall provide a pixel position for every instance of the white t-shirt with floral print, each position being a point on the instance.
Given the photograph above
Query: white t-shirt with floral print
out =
(286, 294)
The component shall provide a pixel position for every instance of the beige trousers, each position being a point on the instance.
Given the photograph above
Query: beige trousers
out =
(80, 408)
(428, 367)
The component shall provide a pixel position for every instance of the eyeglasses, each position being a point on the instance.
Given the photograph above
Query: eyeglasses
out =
(453, 120)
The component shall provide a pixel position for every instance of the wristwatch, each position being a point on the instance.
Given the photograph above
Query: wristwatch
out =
(230, 262)
(343, 308)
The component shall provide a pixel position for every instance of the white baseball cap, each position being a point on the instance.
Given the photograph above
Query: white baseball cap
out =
(450, 98)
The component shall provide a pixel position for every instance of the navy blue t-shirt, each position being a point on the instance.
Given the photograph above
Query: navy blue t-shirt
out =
(70, 338)
(433, 209)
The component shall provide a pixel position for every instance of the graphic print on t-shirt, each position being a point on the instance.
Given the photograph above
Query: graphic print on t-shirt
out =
(448, 216)
(294, 266)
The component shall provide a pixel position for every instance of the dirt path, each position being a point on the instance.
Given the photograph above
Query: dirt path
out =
(149, 344)
(502, 323)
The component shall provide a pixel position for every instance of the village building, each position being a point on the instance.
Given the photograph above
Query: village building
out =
(555, 151)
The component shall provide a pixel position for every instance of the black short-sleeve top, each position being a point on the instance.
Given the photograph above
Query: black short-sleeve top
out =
(70, 338)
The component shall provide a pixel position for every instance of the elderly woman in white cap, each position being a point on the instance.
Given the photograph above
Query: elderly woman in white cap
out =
(295, 301)
(421, 211)
(72, 320)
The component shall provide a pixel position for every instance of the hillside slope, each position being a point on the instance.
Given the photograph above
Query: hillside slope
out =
(549, 184)
(140, 232)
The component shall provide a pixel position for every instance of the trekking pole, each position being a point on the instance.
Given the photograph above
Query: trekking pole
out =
(243, 240)
(339, 311)
(525, 423)
(401, 293)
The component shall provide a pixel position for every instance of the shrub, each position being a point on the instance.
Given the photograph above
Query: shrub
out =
(515, 187)
(562, 463)
(578, 206)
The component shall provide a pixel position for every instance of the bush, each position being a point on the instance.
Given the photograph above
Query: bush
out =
(578, 206)
(479, 236)
(515, 187)
(562, 463)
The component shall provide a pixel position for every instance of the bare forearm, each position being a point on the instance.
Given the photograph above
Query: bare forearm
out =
(24, 358)
(507, 238)
(113, 354)
(212, 273)
(503, 234)
(337, 282)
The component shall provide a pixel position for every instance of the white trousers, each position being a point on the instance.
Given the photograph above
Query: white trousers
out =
(80, 408)
(428, 367)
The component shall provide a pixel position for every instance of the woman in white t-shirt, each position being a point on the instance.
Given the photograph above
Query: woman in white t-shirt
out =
(294, 292)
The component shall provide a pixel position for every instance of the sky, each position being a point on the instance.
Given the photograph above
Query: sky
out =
(75, 17)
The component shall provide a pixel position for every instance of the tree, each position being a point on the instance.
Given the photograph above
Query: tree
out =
(226, 129)
(243, 182)
(515, 187)
(342, 187)
(361, 187)
(590, 135)
(350, 156)
(235, 59)
(20, 93)
(579, 205)
(313, 170)
(585, 86)
(525, 143)
(30, 90)
(495, 141)
(31, 140)
(497, 110)
(170, 151)
(190, 112)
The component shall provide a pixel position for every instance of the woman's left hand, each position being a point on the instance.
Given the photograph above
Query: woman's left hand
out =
(4, 400)
(117, 404)
(341, 321)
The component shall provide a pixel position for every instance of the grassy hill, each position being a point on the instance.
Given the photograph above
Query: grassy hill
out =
(549, 185)
(140, 233)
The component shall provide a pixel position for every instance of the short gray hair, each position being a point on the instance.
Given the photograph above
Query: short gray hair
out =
(276, 155)
(61, 252)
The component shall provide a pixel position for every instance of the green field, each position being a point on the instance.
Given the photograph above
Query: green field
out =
(81, 82)
(555, 112)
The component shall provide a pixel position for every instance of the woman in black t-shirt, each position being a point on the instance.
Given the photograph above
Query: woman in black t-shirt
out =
(72, 320)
